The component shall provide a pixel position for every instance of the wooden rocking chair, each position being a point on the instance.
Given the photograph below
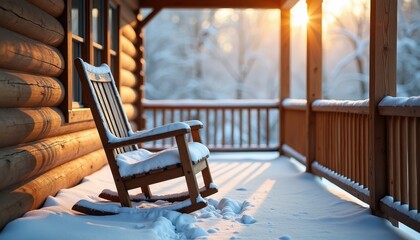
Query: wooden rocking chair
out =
(133, 167)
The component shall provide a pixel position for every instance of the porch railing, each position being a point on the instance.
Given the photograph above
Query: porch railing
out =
(342, 150)
(230, 125)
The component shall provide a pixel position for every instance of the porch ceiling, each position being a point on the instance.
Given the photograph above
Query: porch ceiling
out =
(280, 4)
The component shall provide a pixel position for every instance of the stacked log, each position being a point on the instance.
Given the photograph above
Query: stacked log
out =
(24, 125)
(26, 90)
(28, 160)
(26, 55)
(129, 80)
(29, 195)
(30, 21)
(39, 152)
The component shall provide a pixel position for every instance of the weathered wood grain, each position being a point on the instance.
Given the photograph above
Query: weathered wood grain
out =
(53, 7)
(26, 55)
(26, 196)
(22, 125)
(25, 161)
(26, 90)
(23, 18)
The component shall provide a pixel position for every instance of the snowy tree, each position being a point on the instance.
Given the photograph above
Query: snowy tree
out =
(408, 68)
(347, 35)
(202, 50)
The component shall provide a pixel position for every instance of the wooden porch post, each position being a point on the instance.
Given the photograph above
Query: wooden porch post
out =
(141, 74)
(284, 70)
(382, 82)
(313, 74)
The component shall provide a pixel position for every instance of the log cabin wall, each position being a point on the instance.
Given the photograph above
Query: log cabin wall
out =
(40, 152)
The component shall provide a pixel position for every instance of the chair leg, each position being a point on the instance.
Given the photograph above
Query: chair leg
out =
(187, 167)
(146, 191)
(207, 175)
(123, 194)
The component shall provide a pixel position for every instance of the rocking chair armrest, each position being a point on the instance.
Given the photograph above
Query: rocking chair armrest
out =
(194, 124)
(161, 132)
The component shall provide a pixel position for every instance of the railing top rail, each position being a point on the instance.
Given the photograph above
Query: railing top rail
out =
(400, 106)
(210, 104)
(294, 104)
(343, 106)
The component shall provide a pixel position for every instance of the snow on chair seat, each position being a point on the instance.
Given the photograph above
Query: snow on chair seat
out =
(143, 161)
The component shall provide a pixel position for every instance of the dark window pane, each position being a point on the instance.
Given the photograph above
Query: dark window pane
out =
(113, 27)
(78, 18)
(97, 56)
(77, 88)
(98, 21)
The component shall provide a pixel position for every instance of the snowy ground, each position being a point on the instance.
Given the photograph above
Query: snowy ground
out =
(260, 197)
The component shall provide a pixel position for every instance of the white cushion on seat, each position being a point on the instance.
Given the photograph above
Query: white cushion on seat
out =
(142, 161)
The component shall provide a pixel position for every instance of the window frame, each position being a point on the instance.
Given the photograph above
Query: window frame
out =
(77, 111)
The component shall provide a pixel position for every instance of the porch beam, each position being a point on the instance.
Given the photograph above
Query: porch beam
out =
(313, 74)
(288, 4)
(382, 82)
(149, 17)
(212, 3)
(284, 71)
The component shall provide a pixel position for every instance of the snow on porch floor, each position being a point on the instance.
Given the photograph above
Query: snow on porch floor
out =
(261, 196)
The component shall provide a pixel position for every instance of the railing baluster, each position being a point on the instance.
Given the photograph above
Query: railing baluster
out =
(232, 140)
(154, 123)
(240, 127)
(223, 126)
(267, 127)
(403, 159)
(172, 120)
(412, 164)
(258, 127)
(249, 128)
(163, 122)
(397, 161)
(208, 126)
(215, 127)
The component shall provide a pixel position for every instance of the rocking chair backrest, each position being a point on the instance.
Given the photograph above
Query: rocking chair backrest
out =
(105, 103)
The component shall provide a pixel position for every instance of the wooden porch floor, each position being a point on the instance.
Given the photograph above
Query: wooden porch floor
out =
(286, 203)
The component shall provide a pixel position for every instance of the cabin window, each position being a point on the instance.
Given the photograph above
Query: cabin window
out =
(93, 25)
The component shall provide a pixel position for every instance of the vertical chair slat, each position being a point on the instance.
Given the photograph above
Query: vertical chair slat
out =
(117, 112)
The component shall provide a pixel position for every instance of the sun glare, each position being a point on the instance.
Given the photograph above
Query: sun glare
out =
(299, 14)
(300, 17)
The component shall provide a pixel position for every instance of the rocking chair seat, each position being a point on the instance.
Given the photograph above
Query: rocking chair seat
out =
(143, 161)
